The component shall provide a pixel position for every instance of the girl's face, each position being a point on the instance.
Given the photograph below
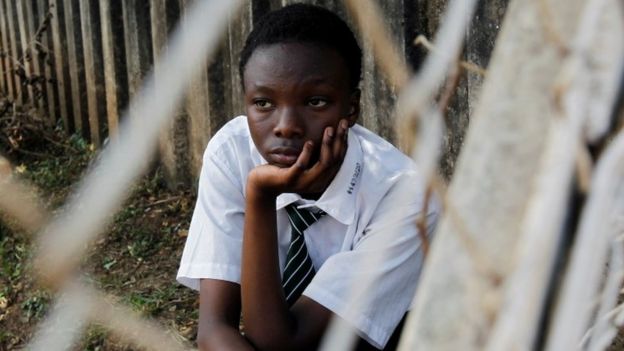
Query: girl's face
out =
(293, 91)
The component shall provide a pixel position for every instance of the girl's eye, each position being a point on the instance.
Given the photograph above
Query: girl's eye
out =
(263, 104)
(317, 102)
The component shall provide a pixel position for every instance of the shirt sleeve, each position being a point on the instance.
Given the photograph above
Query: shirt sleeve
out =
(373, 285)
(213, 246)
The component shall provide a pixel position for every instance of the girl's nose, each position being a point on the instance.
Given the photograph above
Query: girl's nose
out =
(289, 124)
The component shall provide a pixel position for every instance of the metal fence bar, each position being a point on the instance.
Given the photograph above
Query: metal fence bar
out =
(137, 42)
(24, 42)
(15, 52)
(93, 68)
(113, 61)
(36, 73)
(44, 14)
(174, 139)
(75, 60)
(7, 75)
(3, 70)
(59, 50)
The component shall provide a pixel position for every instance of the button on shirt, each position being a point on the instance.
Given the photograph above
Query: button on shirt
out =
(368, 235)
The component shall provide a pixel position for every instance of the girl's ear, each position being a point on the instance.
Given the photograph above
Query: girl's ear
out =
(354, 107)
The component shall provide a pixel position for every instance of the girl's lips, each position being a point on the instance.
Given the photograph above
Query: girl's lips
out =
(284, 156)
(283, 159)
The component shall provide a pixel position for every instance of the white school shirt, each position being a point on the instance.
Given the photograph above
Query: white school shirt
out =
(368, 235)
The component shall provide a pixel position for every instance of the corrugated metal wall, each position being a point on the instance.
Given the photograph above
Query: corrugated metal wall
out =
(79, 62)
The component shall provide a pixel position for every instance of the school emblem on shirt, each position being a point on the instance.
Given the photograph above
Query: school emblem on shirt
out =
(356, 174)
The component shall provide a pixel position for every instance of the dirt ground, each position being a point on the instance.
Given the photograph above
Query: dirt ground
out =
(134, 261)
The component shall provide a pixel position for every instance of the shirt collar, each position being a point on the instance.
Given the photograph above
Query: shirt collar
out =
(338, 200)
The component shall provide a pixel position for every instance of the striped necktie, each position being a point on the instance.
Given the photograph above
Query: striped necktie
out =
(299, 271)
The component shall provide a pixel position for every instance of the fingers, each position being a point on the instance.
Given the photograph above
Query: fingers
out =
(334, 146)
(340, 144)
(331, 155)
(326, 155)
(300, 176)
(304, 158)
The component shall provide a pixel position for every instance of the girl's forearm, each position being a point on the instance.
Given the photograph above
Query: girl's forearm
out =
(268, 321)
(223, 337)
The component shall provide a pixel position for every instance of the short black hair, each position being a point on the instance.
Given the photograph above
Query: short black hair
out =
(303, 23)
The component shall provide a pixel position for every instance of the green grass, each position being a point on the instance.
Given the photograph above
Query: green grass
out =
(36, 305)
(153, 302)
(95, 338)
(13, 253)
(134, 260)
(22, 302)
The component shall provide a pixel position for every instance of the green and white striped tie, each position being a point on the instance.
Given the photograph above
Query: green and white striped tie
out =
(299, 271)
